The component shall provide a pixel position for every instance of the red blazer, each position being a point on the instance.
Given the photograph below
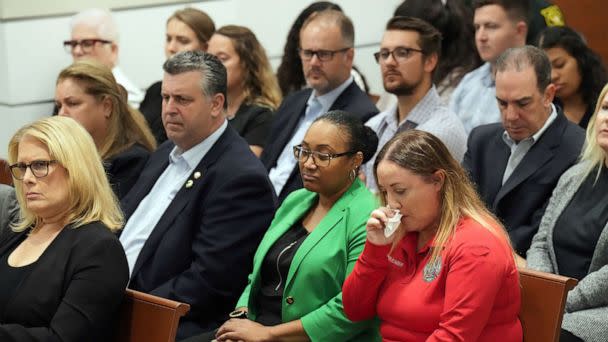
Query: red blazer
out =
(473, 295)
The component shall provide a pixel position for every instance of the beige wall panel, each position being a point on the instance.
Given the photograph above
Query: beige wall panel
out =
(14, 9)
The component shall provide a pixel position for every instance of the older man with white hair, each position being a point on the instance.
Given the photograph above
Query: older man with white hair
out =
(94, 35)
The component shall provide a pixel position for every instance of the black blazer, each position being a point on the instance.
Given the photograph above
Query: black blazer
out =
(286, 119)
(74, 291)
(521, 201)
(124, 168)
(151, 107)
(201, 250)
(253, 122)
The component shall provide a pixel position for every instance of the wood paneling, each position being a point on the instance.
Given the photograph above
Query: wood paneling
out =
(586, 16)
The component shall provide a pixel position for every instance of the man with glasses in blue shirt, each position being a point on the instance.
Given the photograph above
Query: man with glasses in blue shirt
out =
(326, 50)
(408, 56)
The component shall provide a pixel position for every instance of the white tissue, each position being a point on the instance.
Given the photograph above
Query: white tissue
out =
(392, 224)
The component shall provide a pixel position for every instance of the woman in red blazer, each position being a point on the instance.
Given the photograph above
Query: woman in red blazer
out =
(447, 273)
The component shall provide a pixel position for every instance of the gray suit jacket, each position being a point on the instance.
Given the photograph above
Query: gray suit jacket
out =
(587, 304)
(9, 208)
(520, 202)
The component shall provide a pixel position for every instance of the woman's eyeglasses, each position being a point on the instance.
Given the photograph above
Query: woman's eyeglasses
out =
(319, 158)
(39, 168)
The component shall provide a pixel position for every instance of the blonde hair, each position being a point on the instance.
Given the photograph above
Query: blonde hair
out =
(592, 152)
(90, 196)
(424, 154)
(260, 84)
(127, 125)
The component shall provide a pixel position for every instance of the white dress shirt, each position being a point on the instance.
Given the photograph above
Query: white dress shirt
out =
(134, 94)
(520, 149)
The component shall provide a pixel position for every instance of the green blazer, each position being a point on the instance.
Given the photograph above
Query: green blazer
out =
(313, 290)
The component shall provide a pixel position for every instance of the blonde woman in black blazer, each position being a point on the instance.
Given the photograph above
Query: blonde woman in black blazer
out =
(63, 272)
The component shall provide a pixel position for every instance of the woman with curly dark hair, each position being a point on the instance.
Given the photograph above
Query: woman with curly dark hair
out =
(577, 72)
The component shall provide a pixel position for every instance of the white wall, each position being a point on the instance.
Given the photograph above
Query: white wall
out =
(31, 53)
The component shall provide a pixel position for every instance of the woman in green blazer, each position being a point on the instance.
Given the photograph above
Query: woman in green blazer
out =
(295, 289)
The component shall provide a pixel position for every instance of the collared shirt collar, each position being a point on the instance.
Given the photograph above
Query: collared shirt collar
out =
(534, 138)
(195, 154)
(487, 77)
(420, 113)
(328, 99)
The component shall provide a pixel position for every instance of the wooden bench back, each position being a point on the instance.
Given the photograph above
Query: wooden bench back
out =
(144, 317)
(543, 298)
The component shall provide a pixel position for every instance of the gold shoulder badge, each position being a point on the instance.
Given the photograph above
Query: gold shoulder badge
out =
(553, 16)
(189, 183)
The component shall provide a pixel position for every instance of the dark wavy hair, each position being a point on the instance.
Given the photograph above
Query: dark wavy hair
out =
(590, 66)
(454, 21)
(289, 74)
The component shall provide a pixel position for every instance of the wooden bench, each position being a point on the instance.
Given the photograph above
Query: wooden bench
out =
(148, 318)
(543, 299)
(5, 173)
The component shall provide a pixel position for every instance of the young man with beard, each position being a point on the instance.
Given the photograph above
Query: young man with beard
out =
(408, 55)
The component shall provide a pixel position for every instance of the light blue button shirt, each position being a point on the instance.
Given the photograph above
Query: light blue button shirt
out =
(315, 107)
(474, 100)
(152, 207)
(429, 115)
(520, 149)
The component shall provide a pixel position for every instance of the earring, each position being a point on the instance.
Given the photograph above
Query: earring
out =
(352, 174)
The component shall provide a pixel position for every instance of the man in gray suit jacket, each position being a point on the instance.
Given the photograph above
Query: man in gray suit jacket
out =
(9, 208)
(516, 164)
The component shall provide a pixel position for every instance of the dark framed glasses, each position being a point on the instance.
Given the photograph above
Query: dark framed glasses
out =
(322, 55)
(85, 44)
(319, 158)
(39, 168)
(400, 54)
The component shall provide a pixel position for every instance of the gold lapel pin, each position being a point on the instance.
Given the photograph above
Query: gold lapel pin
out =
(197, 175)
(189, 183)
